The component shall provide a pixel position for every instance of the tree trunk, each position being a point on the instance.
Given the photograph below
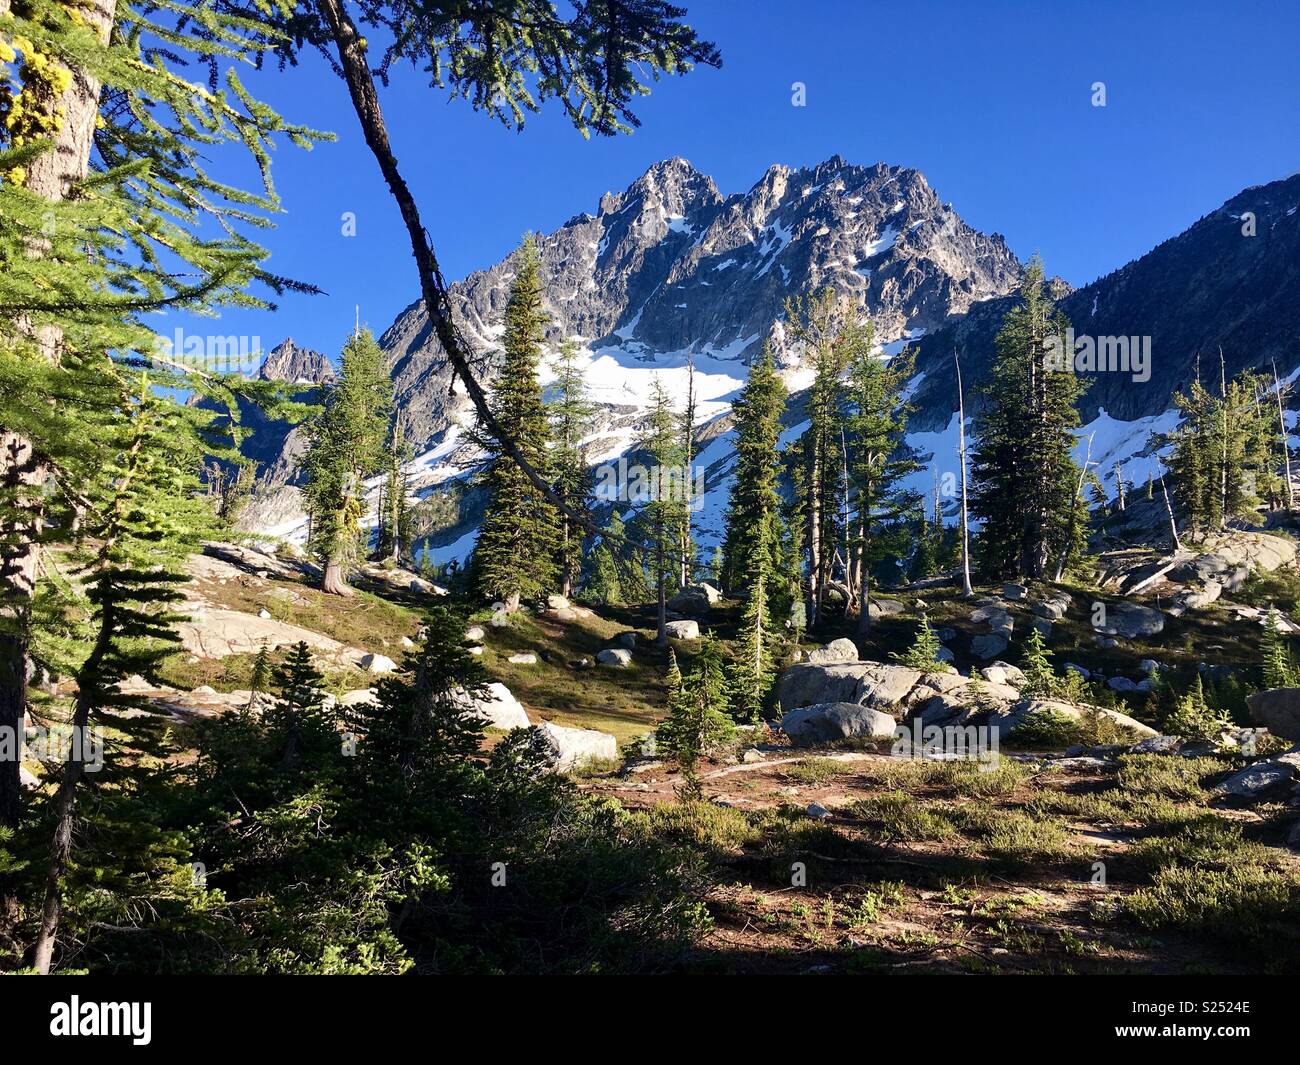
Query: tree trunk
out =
(334, 581)
(966, 588)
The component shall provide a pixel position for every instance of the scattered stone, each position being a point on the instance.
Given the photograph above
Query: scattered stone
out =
(841, 650)
(500, 619)
(497, 704)
(377, 663)
(1053, 608)
(817, 811)
(1260, 778)
(580, 663)
(1159, 745)
(614, 656)
(475, 634)
(263, 613)
(1278, 710)
(988, 645)
(625, 640)
(356, 697)
(695, 599)
(1014, 591)
(28, 779)
(1074, 667)
(683, 630)
(1132, 621)
(1043, 627)
(557, 602)
(828, 722)
(564, 613)
(752, 755)
(1122, 684)
(407, 642)
(884, 608)
(1004, 673)
(572, 748)
(523, 658)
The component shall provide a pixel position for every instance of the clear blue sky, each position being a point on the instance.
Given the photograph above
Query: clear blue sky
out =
(990, 100)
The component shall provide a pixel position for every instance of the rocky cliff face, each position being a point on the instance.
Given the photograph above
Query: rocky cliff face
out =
(670, 266)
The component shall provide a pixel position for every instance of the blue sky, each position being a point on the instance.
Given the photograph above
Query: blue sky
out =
(991, 101)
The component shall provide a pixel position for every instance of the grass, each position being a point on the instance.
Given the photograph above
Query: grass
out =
(817, 770)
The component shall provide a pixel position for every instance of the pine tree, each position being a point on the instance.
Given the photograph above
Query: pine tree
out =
(875, 421)
(299, 717)
(925, 650)
(697, 721)
(1194, 718)
(395, 519)
(260, 682)
(515, 555)
(1278, 662)
(1040, 678)
(572, 417)
(753, 672)
(924, 563)
(663, 510)
(813, 322)
(1024, 473)
(145, 516)
(751, 542)
(347, 445)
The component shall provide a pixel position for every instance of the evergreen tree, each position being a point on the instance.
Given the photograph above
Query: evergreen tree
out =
(875, 421)
(1040, 678)
(572, 416)
(1024, 473)
(347, 445)
(751, 542)
(925, 650)
(814, 322)
(299, 718)
(395, 518)
(260, 682)
(697, 721)
(1194, 718)
(1278, 662)
(753, 672)
(924, 563)
(518, 540)
(664, 508)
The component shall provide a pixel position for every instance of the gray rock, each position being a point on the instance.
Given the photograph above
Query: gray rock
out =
(1259, 779)
(557, 602)
(500, 619)
(614, 656)
(355, 698)
(1132, 621)
(1014, 591)
(683, 630)
(1122, 684)
(828, 722)
(884, 608)
(572, 748)
(870, 683)
(988, 645)
(1149, 666)
(1159, 745)
(1074, 667)
(841, 650)
(1278, 710)
(1043, 627)
(377, 663)
(1003, 673)
(495, 703)
(475, 634)
(523, 658)
(695, 599)
(817, 811)
(625, 640)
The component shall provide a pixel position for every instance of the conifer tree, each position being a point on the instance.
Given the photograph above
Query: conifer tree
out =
(1040, 679)
(1024, 471)
(814, 322)
(260, 682)
(299, 717)
(751, 542)
(572, 416)
(1194, 718)
(875, 421)
(1278, 662)
(925, 650)
(697, 721)
(515, 555)
(146, 516)
(753, 672)
(664, 508)
(395, 519)
(347, 445)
